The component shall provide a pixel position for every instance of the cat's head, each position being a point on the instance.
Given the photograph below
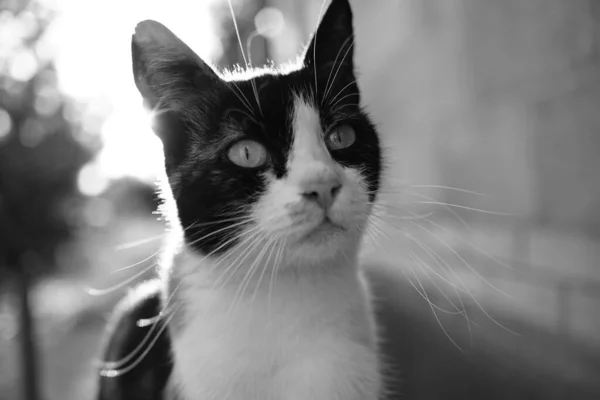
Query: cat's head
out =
(285, 160)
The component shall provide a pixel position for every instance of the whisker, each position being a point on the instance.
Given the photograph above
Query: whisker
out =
(465, 208)
(435, 257)
(427, 299)
(264, 269)
(226, 228)
(102, 292)
(435, 314)
(150, 257)
(220, 221)
(446, 245)
(428, 250)
(420, 263)
(243, 99)
(241, 261)
(141, 323)
(333, 101)
(274, 271)
(449, 188)
(137, 243)
(476, 273)
(330, 81)
(315, 48)
(254, 238)
(338, 101)
(471, 245)
(113, 373)
(250, 273)
(237, 32)
(415, 217)
(450, 210)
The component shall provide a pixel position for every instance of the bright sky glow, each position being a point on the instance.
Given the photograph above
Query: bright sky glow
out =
(91, 41)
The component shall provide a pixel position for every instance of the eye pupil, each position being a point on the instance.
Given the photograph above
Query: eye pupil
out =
(248, 154)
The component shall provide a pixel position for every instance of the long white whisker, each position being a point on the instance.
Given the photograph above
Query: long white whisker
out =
(250, 273)
(242, 97)
(426, 268)
(140, 242)
(143, 323)
(333, 101)
(328, 89)
(328, 83)
(315, 49)
(248, 251)
(449, 188)
(264, 269)
(236, 264)
(465, 208)
(150, 257)
(237, 32)
(476, 273)
(102, 292)
(435, 314)
(226, 228)
(274, 272)
(113, 373)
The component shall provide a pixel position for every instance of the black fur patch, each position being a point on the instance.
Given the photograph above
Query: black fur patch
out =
(147, 381)
(209, 115)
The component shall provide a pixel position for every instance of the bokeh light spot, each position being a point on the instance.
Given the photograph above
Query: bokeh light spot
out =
(269, 22)
(5, 124)
(90, 180)
(23, 66)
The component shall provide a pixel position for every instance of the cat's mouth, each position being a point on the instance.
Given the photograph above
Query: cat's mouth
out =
(324, 230)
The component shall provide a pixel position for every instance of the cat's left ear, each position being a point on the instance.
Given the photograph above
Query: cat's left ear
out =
(332, 45)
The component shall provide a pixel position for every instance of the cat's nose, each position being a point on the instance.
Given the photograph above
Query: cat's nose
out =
(322, 193)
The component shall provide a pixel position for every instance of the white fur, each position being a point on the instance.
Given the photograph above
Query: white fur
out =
(292, 321)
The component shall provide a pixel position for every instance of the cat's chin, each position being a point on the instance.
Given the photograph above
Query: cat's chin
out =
(322, 243)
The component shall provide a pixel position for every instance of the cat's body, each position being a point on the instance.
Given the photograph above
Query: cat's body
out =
(272, 179)
(305, 336)
(152, 377)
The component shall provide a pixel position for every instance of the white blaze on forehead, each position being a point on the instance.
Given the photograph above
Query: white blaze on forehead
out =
(308, 147)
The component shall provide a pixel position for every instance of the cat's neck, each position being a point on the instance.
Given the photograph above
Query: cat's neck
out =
(226, 274)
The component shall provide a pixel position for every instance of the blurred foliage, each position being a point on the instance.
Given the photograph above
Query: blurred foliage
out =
(41, 151)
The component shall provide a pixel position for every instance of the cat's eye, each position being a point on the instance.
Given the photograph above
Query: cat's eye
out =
(343, 136)
(248, 154)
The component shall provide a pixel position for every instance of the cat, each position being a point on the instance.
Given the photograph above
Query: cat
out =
(272, 176)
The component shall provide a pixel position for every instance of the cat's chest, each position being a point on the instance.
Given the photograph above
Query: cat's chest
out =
(275, 345)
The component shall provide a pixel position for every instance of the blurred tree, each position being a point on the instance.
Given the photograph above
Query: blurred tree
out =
(40, 157)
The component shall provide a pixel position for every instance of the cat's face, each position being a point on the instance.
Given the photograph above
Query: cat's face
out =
(285, 161)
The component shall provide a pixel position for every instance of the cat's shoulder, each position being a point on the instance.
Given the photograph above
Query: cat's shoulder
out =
(145, 348)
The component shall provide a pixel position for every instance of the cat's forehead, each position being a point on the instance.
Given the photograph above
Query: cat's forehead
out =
(263, 105)
(273, 88)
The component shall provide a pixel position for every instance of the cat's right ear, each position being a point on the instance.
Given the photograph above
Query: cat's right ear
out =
(165, 69)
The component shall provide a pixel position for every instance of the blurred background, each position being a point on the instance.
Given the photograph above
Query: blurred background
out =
(490, 115)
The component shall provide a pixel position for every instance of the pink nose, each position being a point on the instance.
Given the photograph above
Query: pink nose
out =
(322, 193)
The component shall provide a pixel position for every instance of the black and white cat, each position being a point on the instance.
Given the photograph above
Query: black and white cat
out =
(272, 177)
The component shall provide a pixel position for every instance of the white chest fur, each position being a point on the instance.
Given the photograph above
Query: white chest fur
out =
(306, 336)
